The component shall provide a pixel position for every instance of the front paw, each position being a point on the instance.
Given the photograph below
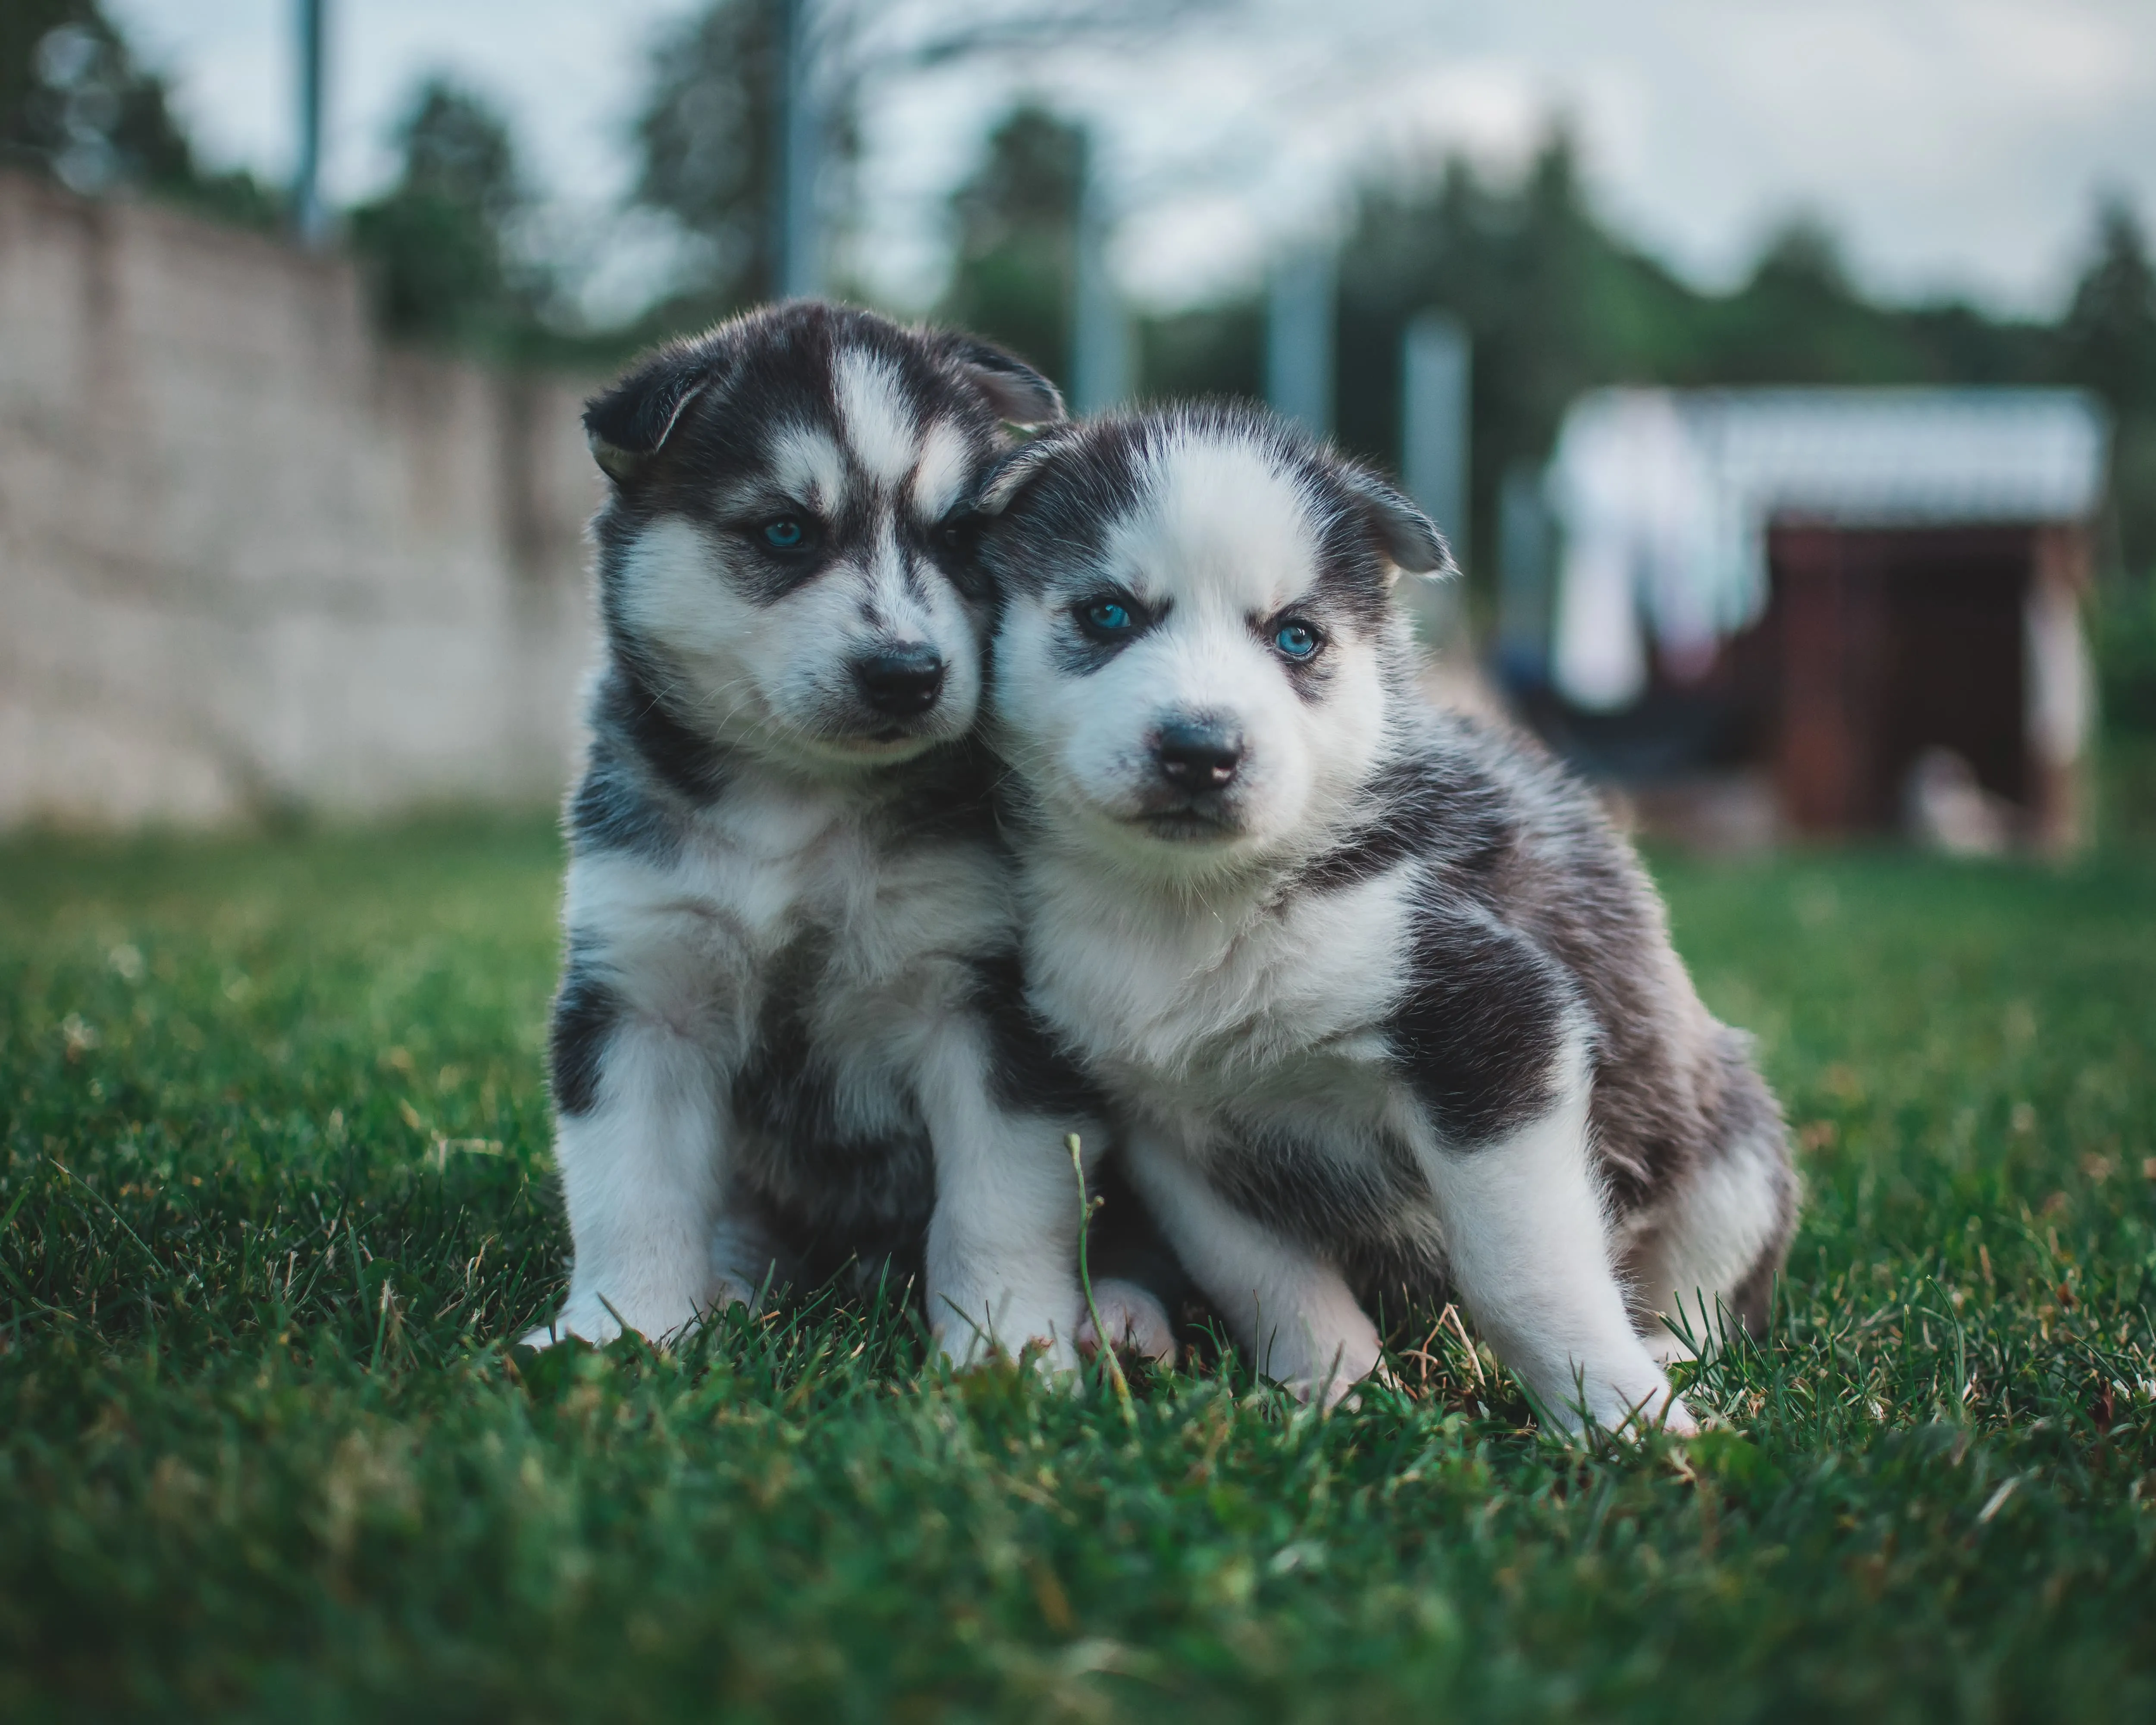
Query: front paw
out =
(592, 1318)
(1136, 1322)
(589, 1323)
(972, 1333)
(1664, 1408)
(1333, 1387)
(1627, 1411)
(1324, 1365)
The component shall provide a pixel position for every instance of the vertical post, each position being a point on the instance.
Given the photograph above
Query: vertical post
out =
(1100, 333)
(1299, 340)
(1523, 582)
(310, 219)
(1435, 423)
(797, 249)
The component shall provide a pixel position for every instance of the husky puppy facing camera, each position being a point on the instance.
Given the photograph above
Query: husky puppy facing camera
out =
(787, 1031)
(1384, 1008)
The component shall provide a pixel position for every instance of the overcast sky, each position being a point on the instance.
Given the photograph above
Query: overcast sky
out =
(1958, 146)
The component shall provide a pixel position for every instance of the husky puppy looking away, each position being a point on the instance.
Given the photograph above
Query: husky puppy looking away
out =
(788, 1031)
(1386, 1010)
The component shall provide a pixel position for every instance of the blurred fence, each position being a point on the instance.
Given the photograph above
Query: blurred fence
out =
(252, 560)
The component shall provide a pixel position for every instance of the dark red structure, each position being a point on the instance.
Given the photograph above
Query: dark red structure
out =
(1881, 642)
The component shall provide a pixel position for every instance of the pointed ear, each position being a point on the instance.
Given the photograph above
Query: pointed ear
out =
(630, 423)
(1406, 536)
(1017, 393)
(1017, 471)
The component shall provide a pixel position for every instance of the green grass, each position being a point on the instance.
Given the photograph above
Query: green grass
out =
(275, 1187)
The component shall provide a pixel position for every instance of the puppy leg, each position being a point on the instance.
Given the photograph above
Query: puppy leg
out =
(1134, 1319)
(1708, 1255)
(1136, 1282)
(1528, 1247)
(1001, 1268)
(642, 1170)
(1292, 1309)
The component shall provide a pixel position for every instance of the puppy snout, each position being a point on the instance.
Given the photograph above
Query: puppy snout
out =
(901, 680)
(1197, 755)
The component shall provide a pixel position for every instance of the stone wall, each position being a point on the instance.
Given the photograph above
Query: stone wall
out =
(251, 559)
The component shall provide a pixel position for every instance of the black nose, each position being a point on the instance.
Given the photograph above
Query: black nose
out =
(1197, 755)
(903, 681)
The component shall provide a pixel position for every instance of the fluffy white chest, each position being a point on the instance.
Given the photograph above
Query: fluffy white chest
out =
(697, 939)
(1224, 1011)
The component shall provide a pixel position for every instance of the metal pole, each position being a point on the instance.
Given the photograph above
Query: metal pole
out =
(1524, 559)
(310, 218)
(1299, 340)
(797, 259)
(1100, 332)
(1435, 366)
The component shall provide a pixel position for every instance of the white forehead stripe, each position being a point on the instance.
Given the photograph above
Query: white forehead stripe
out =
(809, 466)
(1223, 522)
(879, 428)
(946, 457)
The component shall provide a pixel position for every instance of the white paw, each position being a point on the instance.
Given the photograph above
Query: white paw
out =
(1629, 1413)
(966, 1340)
(596, 1326)
(1332, 1383)
(589, 1318)
(1334, 1391)
(1636, 1408)
(1052, 1355)
(1136, 1322)
(1667, 1348)
(1324, 1365)
(1328, 1395)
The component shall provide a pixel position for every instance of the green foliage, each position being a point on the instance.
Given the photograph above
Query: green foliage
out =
(1218, 350)
(274, 1187)
(75, 103)
(1557, 304)
(706, 134)
(2123, 622)
(2109, 340)
(438, 247)
(2110, 328)
(1017, 222)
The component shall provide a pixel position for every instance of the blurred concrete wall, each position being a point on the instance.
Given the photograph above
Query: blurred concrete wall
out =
(250, 558)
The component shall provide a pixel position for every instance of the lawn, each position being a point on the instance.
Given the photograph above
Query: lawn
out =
(275, 1187)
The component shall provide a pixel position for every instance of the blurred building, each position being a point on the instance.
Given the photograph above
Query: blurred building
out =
(1819, 611)
(251, 558)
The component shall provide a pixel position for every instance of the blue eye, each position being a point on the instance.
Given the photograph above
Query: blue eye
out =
(1298, 640)
(1108, 617)
(784, 534)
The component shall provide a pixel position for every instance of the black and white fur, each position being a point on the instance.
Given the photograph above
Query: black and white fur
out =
(788, 1033)
(1386, 1009)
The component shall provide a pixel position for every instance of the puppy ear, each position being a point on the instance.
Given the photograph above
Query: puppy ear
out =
(629, 424)
(1018, 394)
(1019, 470)
(1408, 537)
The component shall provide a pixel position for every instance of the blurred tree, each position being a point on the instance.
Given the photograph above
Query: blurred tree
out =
(706, 138)
(1552, 303)
(1212, 351)
(75, 103)
(1798, 319)
(2110, 327)
(709, 128)
(2108, 343)
(1016, 221)
(1556, 304)
(437, 246)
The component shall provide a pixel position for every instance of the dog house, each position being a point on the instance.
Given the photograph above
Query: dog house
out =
(1868, 600)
